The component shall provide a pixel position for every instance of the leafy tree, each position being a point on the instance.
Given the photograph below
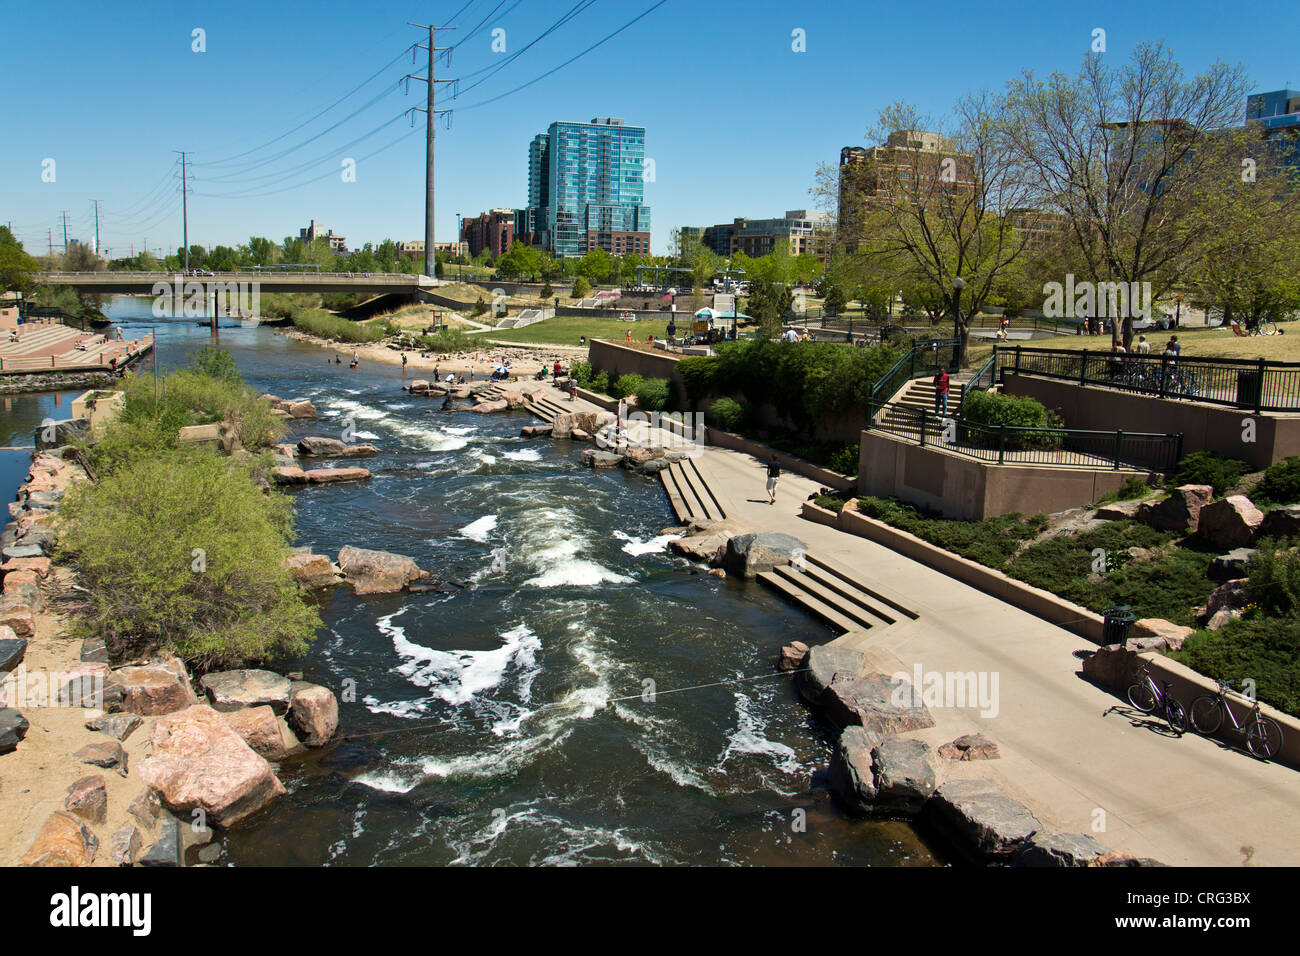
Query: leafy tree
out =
(581, 288)
(16, 267)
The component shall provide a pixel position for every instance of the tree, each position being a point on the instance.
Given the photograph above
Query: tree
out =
(17, 268)
(1123, 151)
(581, 288)
(768, 304)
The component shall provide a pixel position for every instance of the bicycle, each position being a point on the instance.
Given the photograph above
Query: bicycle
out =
(1146, 697)
(1263, 735)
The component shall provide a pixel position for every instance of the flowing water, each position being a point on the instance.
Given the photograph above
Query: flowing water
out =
(506, 723)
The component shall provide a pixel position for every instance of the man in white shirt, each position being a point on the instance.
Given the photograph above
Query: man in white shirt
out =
(1143, 347)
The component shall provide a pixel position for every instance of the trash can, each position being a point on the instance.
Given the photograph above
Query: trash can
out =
(1248, 383)
(1116, 623)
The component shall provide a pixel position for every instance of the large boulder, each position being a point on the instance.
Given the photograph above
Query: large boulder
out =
(322, 476)
(970, 747)
(267, 734)
(981, 819)
(850, 775)
(63, 840)
(312, 571)
(1231, 522)
(904, 774)
(562, 425)
(1281, 522)
(495, 405)
(117, 726)
(288, 475)
(237, 689)
(18, 618)
(792, 656)
(314, 713)
(1059, 850)
(199, 762)
(596, 458)
(1181, 511)
(823, 664)
(377, 572)
(12, 650)
(162, 687)
(751, 554)
(1232, 594)
(1171, 635)
(1112, 666)
(93, 685)
(301, 410)
(1227, 567)
(13, 728)
(884, 705)
(316, 446)
(706, 540)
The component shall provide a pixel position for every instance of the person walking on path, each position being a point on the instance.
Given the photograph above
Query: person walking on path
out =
(773, 476)
(941, 392)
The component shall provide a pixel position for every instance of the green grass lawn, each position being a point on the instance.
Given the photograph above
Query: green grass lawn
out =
(566, 330)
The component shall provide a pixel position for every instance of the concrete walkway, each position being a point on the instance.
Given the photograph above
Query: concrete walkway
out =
(1072, 752)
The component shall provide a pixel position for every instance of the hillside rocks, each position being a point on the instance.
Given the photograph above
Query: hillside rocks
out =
(1227, 567)
(268, 735)
(158, 688)
(892, 776)
(312, 571)
(1281, 522)
(1171, 635)
(377, 572)
(12, 649)
(238, 689)
(63, 840)
(200, 762)
(117, 726)
(1181, 511)
(1231, 522)
(317, 446)
(88, 799)
(750, 554)
(313, 713)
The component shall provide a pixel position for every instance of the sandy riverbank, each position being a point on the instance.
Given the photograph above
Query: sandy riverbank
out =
(523, 362)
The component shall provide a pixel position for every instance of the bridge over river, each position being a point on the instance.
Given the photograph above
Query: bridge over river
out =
(144, 283)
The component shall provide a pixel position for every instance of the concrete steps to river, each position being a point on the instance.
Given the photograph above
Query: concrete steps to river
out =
(689, 495)
(835, 595)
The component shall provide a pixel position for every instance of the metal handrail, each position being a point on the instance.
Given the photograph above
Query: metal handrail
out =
(893, 379)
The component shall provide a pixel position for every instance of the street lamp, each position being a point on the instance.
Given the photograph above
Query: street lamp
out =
(958, 283)
(1178, 308)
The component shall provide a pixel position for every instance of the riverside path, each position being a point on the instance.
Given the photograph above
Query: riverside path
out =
(1069, 748)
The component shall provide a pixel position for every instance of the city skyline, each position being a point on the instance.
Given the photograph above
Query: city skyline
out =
(277, 159)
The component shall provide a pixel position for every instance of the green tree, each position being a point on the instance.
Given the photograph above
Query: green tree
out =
(17, 268)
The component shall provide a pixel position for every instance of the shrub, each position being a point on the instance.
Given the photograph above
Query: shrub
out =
(547, 292)
(1209, 468)
(327, 325)
(216, 363)
(994, 409)
(830, 502)
(135, 538)
(846, 460)
(728, 414)
(652, 395)
(990, 542)
(447, 340)
(1263, 650)
(1281, 484)
(582, 372)
(1275, 578)
(600, 384)
(1135, 486)
(627, 385)
(581, 288)
(480, 306)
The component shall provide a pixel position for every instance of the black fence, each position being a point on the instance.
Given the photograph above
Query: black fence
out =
(1254, 384)
(1013, 445)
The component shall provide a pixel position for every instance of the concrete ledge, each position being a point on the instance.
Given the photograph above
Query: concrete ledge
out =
(820, 515)
(823, 476)
(1189, 685)
(1073, 618)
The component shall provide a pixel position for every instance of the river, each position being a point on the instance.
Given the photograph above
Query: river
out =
(505, 724)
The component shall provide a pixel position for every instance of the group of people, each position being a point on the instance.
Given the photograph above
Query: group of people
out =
(338, 360)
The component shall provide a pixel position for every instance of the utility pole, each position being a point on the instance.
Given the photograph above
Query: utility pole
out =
(50, 236)
(430, 258)
(185, 210)
(96, 202)
(65, 232)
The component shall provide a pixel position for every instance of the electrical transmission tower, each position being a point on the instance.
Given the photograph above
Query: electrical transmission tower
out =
(430, 259)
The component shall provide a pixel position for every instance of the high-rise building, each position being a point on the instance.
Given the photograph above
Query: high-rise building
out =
(586, 189)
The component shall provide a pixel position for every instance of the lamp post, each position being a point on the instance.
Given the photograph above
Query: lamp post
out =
(958, 283)
(1178, 308)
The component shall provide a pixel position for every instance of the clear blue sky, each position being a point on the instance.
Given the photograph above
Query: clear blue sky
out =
(736, 121)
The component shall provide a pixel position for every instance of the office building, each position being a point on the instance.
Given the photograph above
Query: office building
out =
(338, 244)
(493, 230)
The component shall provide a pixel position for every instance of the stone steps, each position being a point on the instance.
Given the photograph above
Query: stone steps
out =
(689, 494)
(835, 596)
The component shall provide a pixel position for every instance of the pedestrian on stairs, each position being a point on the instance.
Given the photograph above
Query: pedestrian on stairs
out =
(941, 392)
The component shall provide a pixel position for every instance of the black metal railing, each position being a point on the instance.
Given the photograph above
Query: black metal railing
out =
(985, 377)
(1254, 384)
(922, 359)
(1014, 445)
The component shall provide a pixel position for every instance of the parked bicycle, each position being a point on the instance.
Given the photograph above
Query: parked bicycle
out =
(1263, 735)
(1148, 698)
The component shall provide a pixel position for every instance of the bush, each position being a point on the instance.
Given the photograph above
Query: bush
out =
(1209, 468)
(327, 325)
(1281, 484)
(581, 372)
(830, 502)
(1275, 578)
(626, 385)
(652, 395)
(728, 414)
(480, 306)
(1264, 650)
(994, 409)
(1135, 486)
(846, 460)
(581, 288)
(547, 292)
(600, 384)
(183, 552)
(447, 340)
(990, 542)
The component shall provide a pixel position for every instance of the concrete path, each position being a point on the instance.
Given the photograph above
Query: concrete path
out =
(1072, 752)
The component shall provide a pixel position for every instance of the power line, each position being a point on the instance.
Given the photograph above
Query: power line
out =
(493, 69)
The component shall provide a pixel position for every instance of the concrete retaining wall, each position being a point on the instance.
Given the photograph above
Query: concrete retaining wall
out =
(617, 359)
(971, 489)
(823, 476)
(1203, 427)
